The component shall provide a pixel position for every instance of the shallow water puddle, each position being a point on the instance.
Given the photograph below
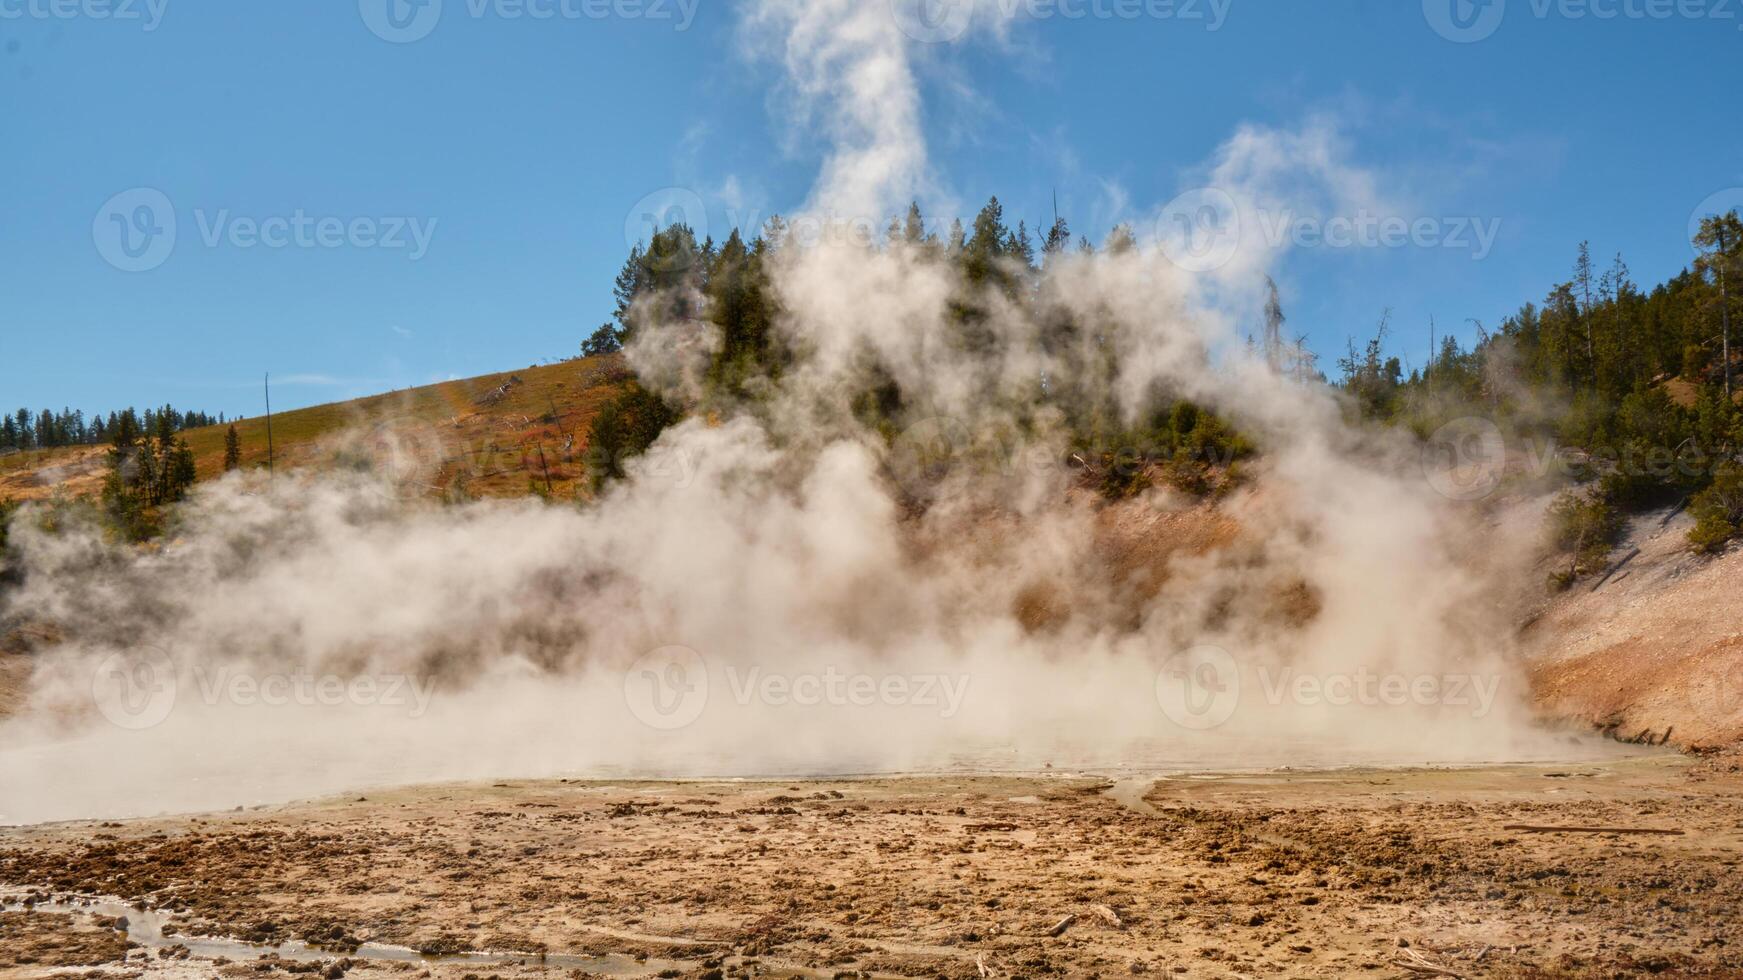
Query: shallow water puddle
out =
(1130, 793)
(146, 928)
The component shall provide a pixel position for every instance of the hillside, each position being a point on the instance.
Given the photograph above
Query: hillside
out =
(1650, 649)
(478, 435)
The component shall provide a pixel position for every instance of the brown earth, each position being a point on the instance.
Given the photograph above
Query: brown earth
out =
(32, 942)
(1281, 874)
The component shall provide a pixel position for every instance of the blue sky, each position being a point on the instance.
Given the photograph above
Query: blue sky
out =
(519, 149)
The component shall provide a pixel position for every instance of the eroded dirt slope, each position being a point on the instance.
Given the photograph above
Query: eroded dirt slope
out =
(1652, 650)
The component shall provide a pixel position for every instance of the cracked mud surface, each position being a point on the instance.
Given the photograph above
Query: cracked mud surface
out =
(1282, 874)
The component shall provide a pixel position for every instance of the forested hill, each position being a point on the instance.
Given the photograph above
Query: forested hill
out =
(1636, 377)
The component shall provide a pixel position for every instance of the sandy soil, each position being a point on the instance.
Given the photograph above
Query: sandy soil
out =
(1279, 874)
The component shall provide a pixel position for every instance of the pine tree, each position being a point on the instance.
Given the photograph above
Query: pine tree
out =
(1721, 241)
(232, 449)
(605, 340)
(1583, 283)
(739, 306)
(914, 228)
(1058, 237)
(182, 470)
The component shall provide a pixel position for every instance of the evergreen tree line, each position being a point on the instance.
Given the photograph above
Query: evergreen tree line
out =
(149, 467)
(1631, 374)
(1645, 381)
(674, 278)
(48, 429)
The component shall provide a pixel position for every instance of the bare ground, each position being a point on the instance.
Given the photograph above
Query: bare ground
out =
(1651, 649)
(1354, 873)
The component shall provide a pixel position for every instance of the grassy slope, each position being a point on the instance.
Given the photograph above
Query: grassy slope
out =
(490, 447)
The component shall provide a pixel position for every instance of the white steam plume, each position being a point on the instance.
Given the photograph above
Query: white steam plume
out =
(836, 627)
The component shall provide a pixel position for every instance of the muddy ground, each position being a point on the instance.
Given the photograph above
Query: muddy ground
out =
(1355, 873)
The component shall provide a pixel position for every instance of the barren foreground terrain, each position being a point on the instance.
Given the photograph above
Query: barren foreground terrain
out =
(1353, 873)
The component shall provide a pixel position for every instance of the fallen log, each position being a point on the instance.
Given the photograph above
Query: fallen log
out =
(1425, 968)
(1417, 963)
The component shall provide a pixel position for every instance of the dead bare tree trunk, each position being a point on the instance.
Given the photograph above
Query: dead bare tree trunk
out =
(1724, 316)
(549, 491)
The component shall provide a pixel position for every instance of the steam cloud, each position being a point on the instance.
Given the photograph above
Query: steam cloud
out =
(782, 543)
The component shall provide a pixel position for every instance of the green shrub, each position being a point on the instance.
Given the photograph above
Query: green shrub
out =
(1189, 476)
(1694, 362)
(1585, 526)
(1718, 509)
(1126, 475)
(8, 507)
(1644, 478)
(1711, 533)
(624, 428)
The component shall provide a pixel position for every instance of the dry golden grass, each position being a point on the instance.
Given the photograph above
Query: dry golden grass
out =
(457, 431)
